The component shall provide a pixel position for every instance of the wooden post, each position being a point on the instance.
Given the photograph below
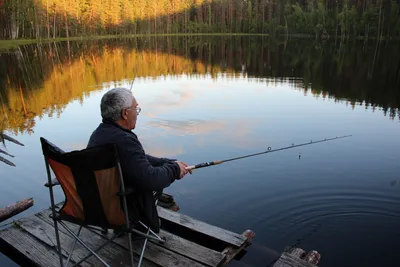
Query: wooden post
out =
(299, 258)
(231, 252)
(14, 209)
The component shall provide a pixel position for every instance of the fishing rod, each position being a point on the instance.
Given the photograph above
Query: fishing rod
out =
(132, 83)
(207, 164)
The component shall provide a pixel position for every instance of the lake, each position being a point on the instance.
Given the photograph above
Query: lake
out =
(209, 98)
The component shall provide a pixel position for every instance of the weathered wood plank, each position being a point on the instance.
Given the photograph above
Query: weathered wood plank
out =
(46, 234)
(112, 251)
(30, 247)
(312, 257)
(14, 209)
(231, 252)
(227, 236)
(161, 255)
(288, 260)
(191, 250)
(158, 254)
(176, 251)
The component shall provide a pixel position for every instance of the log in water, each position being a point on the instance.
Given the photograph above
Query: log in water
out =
(16, 208)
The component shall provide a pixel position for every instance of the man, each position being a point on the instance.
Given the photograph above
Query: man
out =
(142, 172)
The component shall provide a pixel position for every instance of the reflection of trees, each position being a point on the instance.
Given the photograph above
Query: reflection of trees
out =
(350, 73)
(40, 80)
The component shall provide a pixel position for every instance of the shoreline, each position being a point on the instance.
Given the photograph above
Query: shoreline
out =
(14, 44)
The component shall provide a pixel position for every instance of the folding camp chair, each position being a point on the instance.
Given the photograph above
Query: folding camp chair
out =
(95, 196)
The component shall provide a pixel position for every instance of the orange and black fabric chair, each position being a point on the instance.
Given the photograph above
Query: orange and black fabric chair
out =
(95, 197)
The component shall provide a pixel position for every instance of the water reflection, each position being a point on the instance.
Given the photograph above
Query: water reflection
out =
(208, 99)
(39, 80)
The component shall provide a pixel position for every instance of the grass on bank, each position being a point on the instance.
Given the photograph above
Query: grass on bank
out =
(8, 45)
(13, 44)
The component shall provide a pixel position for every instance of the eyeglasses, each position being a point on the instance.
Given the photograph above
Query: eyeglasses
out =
(138, 109)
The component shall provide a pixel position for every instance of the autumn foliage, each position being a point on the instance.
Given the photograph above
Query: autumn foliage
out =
(323, 18)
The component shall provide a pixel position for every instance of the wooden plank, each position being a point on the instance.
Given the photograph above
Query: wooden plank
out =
(231, 252)
(154, 253)
(46, 234)
(113, 252)
(294, 256)
(192, 250)
(30, 247)
(288, 260)
(182, 220)
(158, 254)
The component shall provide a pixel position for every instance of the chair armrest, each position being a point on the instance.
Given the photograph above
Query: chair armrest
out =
(128, 191)
(54, 182)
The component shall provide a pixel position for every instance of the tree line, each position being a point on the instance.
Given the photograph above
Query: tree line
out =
(322, 18)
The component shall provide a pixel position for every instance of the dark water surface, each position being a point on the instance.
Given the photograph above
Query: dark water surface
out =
(205, 99)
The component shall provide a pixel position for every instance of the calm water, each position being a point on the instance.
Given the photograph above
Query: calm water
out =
(205, 99)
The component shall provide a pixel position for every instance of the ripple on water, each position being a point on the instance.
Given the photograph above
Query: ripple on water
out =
(291, 211)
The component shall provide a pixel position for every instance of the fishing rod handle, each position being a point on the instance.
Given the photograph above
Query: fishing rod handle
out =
(202, 165)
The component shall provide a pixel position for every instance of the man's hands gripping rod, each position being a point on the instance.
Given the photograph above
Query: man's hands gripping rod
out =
(183, 169)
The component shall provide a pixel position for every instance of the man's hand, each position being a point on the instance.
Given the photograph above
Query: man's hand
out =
(183, 171)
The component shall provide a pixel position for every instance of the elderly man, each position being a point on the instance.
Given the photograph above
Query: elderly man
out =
(145, 173)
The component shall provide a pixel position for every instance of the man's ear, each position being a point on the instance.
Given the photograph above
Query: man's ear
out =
(124, 114)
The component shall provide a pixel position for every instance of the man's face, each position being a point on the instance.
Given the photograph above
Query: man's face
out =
(130, 115)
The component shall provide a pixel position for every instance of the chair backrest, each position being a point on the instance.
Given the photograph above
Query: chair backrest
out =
(90, 179)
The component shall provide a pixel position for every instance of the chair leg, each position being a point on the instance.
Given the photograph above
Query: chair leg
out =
(152, 232)
(131, 249)
(97, 249)
(142, 234)
(73, 247)
(53, 209)
(58, 243)
(143, 249)
(83, 244)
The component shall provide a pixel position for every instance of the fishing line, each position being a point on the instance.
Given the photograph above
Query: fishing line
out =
(270, 150)
(314, 229)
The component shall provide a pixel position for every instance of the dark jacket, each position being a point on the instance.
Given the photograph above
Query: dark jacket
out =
(142, 172)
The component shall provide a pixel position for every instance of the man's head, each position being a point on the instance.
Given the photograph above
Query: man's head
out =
(120, 106)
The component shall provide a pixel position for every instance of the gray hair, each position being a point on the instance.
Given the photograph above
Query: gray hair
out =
(114, 101)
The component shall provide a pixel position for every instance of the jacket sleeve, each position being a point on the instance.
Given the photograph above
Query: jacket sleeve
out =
(140, 173)
(155, 161)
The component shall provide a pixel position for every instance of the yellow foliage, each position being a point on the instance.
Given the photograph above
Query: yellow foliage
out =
(69, 81)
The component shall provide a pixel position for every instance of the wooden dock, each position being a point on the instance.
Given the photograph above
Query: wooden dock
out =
(31, 241)
(297, 257)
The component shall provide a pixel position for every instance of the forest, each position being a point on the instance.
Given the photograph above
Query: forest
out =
(343, 19)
